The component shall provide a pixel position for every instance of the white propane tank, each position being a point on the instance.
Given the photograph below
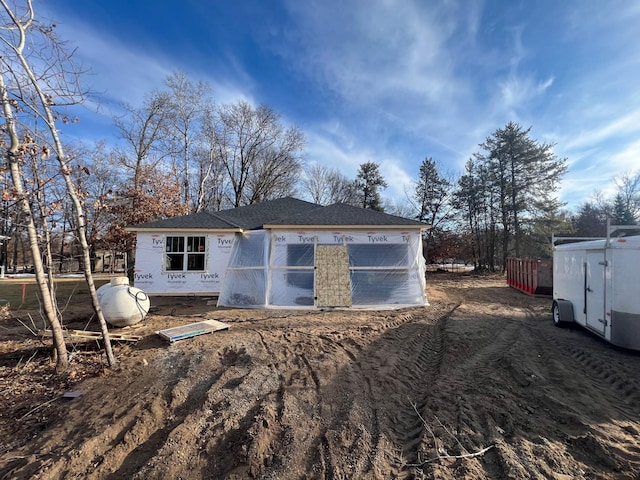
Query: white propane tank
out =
(122, 304)
(107, 286)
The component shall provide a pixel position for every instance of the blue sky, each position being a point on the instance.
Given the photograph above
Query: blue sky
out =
(388, 81)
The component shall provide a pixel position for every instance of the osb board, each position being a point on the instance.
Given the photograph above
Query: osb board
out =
(192, 330)
(332, 284)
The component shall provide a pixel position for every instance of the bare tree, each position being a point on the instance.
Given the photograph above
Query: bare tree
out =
(399, 208)
(155, 199)
(262, 158)
(43, 75)
(212, 180)
(99, 189)
(143, 130)
(187, 102)
(326, 186)
(628, 195)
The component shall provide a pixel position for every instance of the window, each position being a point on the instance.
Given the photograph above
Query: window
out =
(185, 254)
(300, 256)
(390, 255)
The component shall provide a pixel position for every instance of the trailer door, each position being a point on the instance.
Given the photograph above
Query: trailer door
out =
(595, 291)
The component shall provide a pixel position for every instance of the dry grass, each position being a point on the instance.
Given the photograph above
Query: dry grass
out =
(23, 294)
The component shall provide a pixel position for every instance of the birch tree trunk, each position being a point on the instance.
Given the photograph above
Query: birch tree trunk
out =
(42, 106)
(12, 155)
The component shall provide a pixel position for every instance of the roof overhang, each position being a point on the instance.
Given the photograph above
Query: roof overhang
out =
(184, 230)
(348, 227)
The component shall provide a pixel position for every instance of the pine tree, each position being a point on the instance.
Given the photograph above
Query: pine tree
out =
(622, 214)
(368, 181)
(526, 174)
(432, 194)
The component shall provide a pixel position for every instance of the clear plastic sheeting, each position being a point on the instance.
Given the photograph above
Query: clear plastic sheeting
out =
(249, 250)
(386, 287)
(246, 289)
(245, 281)
(292, 288)
(278, 269)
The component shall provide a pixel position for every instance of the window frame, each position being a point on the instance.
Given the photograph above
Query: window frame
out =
(179, 249)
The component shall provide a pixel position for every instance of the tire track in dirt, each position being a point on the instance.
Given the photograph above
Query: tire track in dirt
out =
(178, 413)
(590, 358)
(593, 390)
(354, 386)
(147, 449)
(189, 401)
(279, 399)
(536, 388)
(345, 397)
(242, 414)
(332, 395)
(401, 388)
(474, 371)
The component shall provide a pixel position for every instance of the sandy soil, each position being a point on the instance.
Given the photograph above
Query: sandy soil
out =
(480, 384)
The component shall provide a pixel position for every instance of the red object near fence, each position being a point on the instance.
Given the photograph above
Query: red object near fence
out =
(530, 275)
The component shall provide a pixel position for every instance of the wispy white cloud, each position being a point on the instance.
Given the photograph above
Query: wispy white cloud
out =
(382, 54)
(338, 152)
(119, 72)
(627, 159)
(399, 182)
(327, 153)
(325, 150)
(395, 67)
(578, 189)
(604, 129)
(516, 91)
(610, 21)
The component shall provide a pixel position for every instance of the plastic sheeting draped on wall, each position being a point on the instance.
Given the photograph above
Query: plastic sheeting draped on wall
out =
(277, 268)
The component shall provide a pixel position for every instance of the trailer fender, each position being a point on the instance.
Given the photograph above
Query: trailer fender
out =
(562, 311)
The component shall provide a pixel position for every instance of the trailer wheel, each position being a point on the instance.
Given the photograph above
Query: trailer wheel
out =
(560, 313)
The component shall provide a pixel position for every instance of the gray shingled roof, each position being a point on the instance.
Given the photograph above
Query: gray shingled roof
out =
(249, 217)
(201, 220)
(283, 211)
(342, 214)
(254, 216)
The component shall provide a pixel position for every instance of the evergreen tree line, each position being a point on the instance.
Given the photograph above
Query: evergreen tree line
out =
(505, 203)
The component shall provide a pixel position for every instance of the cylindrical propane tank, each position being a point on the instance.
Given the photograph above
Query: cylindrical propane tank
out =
(122, 304)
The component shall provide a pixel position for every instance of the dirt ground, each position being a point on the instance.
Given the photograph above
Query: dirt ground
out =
(478, 385)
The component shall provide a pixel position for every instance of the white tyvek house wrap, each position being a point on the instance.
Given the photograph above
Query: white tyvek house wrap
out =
(151, 277)
(276, 268)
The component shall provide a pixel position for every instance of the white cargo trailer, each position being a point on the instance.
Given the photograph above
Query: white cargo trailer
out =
(596, 284)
